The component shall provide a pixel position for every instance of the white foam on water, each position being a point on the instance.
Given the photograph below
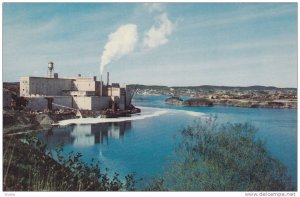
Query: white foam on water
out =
(190, 113)
(193, 113)
(147, 112)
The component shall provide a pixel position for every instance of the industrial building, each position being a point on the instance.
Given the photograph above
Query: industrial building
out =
(83, 93)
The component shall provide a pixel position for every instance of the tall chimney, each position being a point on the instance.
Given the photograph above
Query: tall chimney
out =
(107, 79)
(101, 84)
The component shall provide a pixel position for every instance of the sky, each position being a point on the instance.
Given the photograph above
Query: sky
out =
(173, 44)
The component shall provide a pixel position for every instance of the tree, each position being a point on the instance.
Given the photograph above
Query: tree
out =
(224, 157)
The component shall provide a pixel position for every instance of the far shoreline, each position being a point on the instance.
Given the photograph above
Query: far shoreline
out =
(277, 104)
(249, 97)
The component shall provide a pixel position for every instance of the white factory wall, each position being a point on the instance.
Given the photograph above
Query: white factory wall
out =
(91, 103)
(38, 86)
(113, 91)
(37, 103)
(24, 86)
(63, 102)
(84, 85)
(82, 102)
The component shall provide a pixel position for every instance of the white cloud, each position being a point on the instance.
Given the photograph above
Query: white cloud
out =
(158, 35)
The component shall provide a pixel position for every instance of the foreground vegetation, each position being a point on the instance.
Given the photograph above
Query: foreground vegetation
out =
(27, 166)
(214, 157)
(209, 157)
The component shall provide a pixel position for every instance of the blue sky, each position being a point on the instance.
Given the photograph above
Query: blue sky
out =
(233, 44)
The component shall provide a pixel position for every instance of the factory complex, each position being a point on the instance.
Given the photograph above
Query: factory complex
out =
(83, 93)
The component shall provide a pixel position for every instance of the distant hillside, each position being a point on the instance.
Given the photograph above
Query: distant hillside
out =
(147, 86)
(257, 87)
(211, 87)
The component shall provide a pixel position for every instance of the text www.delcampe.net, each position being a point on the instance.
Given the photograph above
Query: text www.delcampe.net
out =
(275, 194)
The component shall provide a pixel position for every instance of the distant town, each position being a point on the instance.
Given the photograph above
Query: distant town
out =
(252, 96)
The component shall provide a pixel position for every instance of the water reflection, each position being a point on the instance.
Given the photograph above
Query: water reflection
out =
(84, 135)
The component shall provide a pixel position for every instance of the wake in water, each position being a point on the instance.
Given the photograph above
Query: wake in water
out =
(147, 112)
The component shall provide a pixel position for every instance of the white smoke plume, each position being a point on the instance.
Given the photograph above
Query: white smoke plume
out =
(120, 43)
(157, 35)
(153, 7)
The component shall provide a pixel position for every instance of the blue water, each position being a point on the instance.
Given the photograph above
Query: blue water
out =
(144, 146)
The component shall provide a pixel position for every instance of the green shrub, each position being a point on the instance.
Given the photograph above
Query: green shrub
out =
(27, 166)
(223, 157)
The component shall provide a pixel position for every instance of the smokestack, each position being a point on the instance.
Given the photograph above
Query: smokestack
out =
(101, 84)
(107, 79)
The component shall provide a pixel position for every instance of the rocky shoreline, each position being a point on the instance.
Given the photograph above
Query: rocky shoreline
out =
(256, 104)
(204, 102)
(15, 121)
(19, 120)
(194, 102)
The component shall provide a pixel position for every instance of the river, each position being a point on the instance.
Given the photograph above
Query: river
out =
(144, 143)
